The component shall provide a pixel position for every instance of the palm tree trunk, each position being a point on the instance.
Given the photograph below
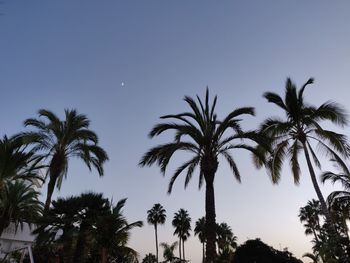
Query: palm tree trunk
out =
(324, 208)
(210, 221)
(103, 255)
(180, 248)
(3, 225)
(183, 249)
(203, 252)
(79, 254)
(50, 189)
(155, 230)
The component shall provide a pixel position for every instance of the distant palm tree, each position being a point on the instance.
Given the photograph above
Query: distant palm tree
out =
(225, 238)
(17, 163)
(200, 132)
(61, 139)
(156, 216)
(19, 204)
(182, 224)
(168, 251)
(200, 231)
(296, 132)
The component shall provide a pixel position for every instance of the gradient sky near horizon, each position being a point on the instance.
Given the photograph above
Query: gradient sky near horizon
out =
(125, 63)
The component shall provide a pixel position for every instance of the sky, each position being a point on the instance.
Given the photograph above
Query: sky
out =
(125, 63)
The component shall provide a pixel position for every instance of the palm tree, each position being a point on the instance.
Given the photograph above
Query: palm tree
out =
(182, 224)
(168, 251)
(200, 133)
(112, 232)
(17, 163)
(313, 257)
(309, 215)
(200, 231)
(156, 216)
(342, 177)
(149, 258)
(19, 204)
(61, 139)
(225, 237)
(297, 132)
(80, 225)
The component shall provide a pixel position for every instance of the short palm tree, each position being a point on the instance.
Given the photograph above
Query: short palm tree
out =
(156, 216)
(149, 258)
(200, 231)
(310, 216)
(16, 162)
(225, 237)
(295, 134)
(19, 204)
(59, 140)
(200, 133)
(112, 232)
(168, 251)
(182, 224)
(314, 258)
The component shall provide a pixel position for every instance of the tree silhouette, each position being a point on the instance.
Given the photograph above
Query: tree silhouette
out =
(156, 216)
(59, 140)
(298, 130)
(200, 133)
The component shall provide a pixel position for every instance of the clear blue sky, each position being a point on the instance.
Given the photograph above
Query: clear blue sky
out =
(76, 54)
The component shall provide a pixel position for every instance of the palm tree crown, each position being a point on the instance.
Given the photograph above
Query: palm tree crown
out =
(200, 133)
(19, 203)
(16, 162)
(59, 140)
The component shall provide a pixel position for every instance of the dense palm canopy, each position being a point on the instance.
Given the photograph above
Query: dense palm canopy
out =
(16, 162)
(87, 228)
(156, 215)
(310, 216)
(202, 134)
(58, 140)
(298, 132)
(19, 203)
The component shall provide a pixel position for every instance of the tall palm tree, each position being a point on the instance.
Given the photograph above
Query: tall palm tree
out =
(59, 140)
(200, 133)
(17, 163)
(168, 251)
(299, 130)
(200, 231)
(156, 216)
(19, 204)
(182, 224)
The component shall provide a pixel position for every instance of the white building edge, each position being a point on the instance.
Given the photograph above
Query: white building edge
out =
(12, 240)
